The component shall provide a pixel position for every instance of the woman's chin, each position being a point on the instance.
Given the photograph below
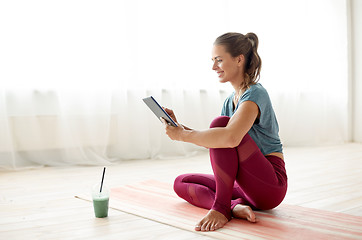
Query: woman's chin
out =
(222, 80)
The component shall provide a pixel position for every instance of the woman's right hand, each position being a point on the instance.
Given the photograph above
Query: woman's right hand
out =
(170, 112)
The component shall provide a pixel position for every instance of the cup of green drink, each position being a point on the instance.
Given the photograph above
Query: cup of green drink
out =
(100, 196)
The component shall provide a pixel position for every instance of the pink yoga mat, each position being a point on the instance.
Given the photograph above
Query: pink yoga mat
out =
(156, 201)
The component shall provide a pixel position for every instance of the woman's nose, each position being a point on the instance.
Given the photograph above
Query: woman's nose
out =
(214, 66)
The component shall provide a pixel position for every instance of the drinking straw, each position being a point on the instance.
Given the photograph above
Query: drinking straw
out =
(104, 170)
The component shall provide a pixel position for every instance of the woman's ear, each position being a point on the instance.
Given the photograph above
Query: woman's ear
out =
(241, 60)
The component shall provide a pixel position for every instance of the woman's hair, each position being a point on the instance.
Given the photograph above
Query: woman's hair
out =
(247, 45)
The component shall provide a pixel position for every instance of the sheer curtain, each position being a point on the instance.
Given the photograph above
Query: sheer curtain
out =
(73, 74)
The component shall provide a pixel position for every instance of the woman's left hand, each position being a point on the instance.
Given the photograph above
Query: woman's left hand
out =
(175, 133)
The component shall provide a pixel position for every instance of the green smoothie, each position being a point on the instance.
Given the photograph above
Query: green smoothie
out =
(100, 205)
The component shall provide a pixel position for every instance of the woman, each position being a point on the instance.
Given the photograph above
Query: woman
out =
(245, 148)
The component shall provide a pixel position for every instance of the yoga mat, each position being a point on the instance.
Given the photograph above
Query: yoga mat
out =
(157, 201)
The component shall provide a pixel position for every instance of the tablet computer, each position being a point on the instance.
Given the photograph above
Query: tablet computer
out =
(158, 110)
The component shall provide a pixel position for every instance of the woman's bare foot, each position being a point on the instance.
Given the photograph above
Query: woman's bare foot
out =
(244, 212)
(211, 222)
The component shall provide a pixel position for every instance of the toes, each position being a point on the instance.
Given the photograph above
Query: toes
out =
(251, 219)
(202, 228)
(205, 227)
(218, 226)
(198, 228)
(211, 222)
(251, 216)
(212, 227)
(199, 225)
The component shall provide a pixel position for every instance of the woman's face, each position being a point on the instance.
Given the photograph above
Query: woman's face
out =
(228, 68)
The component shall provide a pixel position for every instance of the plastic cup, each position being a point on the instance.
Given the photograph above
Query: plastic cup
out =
(100, 200)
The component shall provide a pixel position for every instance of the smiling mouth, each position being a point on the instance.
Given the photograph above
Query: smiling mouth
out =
(219, 73)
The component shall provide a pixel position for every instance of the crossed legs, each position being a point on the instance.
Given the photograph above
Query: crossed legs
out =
(243, 179)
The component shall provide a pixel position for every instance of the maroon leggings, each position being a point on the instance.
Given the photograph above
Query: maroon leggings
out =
(242, 175)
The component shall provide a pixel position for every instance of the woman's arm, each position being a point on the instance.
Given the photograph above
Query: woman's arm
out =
(221, 137)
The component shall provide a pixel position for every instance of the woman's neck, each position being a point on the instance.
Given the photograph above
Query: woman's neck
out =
(237, 88)
(237, 85)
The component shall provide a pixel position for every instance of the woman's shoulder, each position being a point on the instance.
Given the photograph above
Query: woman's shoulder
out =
(255, 91)
(258, 88)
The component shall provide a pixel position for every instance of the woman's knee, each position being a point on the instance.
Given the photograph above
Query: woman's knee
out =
(178, 184)
(220, 121)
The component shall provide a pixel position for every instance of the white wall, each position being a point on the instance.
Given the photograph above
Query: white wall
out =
(356, 71)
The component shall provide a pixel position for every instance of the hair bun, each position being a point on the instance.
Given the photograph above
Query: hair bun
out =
(253, 38)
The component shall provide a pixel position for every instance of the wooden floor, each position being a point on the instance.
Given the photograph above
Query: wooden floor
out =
(40, 203)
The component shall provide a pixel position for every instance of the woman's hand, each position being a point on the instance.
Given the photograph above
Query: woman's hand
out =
(175, 133)
(170, 112)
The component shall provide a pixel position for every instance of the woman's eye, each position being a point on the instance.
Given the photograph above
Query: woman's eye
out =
(219, 60)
